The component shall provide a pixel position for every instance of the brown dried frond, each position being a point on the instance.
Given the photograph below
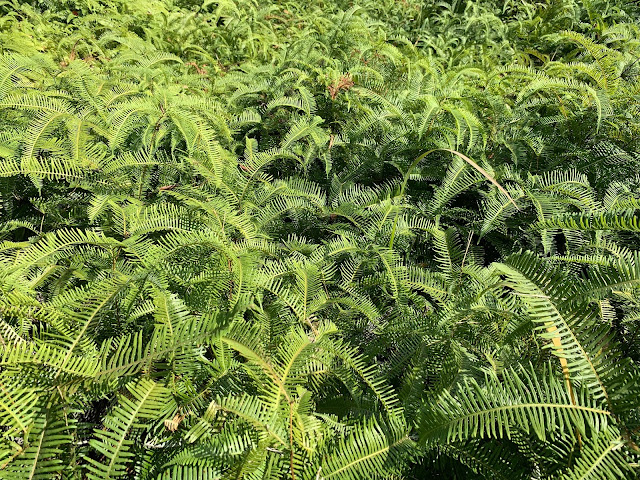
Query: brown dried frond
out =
(173, 424)
(200, 70)
(345, 82)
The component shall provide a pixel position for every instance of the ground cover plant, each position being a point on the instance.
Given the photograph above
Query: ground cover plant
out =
(319, 240)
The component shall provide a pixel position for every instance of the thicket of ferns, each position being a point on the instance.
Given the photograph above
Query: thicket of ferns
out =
(305, 240)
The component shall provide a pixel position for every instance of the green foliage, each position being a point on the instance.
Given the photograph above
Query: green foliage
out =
(312, 240)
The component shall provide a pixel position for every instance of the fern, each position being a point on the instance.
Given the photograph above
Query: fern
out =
(313, 240)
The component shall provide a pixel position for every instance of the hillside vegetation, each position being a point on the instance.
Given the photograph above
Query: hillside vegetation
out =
(314, 239)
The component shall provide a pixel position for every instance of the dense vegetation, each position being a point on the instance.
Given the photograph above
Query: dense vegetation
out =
(313, 240)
